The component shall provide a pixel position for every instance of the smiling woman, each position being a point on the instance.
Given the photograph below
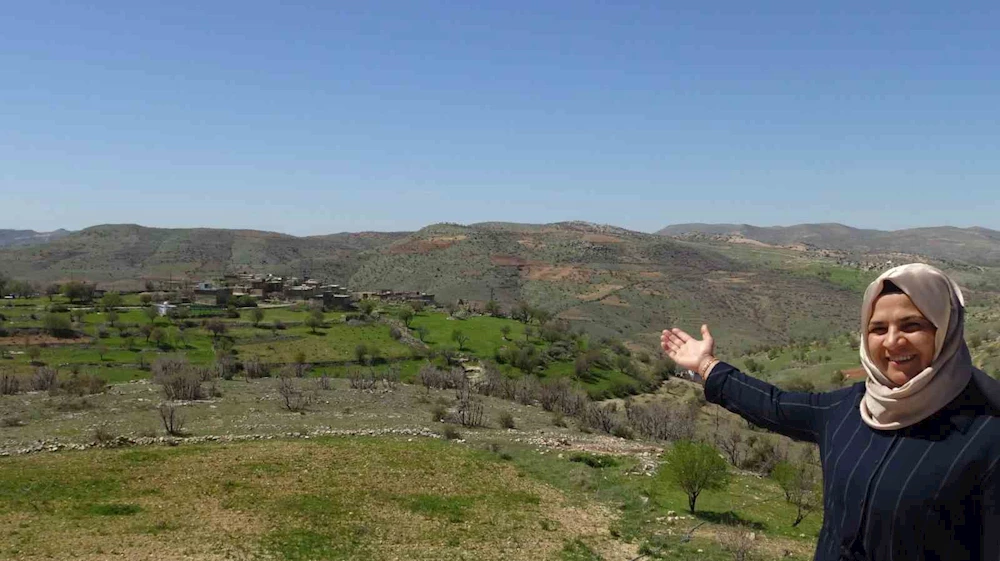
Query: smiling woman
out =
(910, 457)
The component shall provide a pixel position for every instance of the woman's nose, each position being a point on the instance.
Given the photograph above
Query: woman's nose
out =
(893, 339)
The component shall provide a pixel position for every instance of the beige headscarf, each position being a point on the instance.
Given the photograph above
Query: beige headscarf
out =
(887, 407)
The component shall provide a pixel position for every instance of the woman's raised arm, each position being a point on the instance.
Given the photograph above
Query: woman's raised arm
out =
(798, 415)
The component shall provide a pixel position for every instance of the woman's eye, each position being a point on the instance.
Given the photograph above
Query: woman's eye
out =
(877, 330)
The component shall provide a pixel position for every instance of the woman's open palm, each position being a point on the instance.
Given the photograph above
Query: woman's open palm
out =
(684, 349)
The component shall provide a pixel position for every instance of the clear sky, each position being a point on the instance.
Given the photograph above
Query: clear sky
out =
(332, 116)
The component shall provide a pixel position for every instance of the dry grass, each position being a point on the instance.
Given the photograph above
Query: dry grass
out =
(333, 498)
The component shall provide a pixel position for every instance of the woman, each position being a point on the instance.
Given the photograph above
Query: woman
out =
(910, 456)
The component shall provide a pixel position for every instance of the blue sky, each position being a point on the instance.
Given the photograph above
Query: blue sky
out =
(313, 118)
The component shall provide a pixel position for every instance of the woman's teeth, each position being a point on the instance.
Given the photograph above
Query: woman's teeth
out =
(900, 359)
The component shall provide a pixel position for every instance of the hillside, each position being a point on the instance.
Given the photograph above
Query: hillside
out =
(125, 255)
(606, 280)
(9, 238)
(610, 281)
(970, 245)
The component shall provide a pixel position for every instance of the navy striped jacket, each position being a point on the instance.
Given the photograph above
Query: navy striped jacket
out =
(926, 492)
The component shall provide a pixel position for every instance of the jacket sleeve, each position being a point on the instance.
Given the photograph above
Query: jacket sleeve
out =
(798, 415)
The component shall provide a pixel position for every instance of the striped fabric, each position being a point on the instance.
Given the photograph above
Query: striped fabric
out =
(927, 492)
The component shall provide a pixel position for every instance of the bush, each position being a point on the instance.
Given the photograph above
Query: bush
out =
(395, 333)
(658, 421)
(506, 420)
(597, 461)
(83, 384)
(179, 380)
(295, 400)
(58, 325)
(173, 421)
(44, 379)
(254, 367)
(470, 410)
(451, 433)
(10, 383)
(623, 431)
(439, 414)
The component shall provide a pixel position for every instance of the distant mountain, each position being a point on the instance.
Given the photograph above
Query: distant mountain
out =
(125, 255)
(971, 245)
(606, 280)
(10, 238)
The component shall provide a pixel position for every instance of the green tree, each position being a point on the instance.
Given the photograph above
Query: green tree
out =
(360, 352)
(51, 290)
(216, 327)
(257, 316)
(145, 298)
(112, 318)
(460, 337)
(58, 325)
(421, 333)
(34, 353)
(77, 291)
(101, 351)
(492, 308)
(405, 314)
(695, 467)
(158, 336)
(151, 313)
(367, 306)
(314, 320)
(541, 316)
(521, 312)
(110, 301)
(505, 331)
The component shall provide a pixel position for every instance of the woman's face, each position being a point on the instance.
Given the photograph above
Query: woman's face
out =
(900, 338)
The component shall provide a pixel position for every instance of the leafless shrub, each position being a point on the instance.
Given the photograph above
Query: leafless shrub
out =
(451, 433)
(44, 379)
(439, 413)
(173, 421)
(226, 366)
(10, 383)
(739, 542)
(599, 417)
(433, 377)
(658, 421)
(103, 434)
(323, 382)
(390, 377)
(764, 454)
(506, 420)
(363, 380)
(179, 379)
(11, 421)
(295, 399)
(254, 367)
(526, 390)
(469, 411)
(496, 384)
(80, 384)
(730, 442)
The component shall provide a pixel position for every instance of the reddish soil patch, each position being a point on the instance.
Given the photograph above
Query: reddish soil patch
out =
(601, 238)
(424, 246)
(855, 374)
(553, 273)
(600, 291)
(650, 275)
(37, 339)
(614, 300)
(508, 260)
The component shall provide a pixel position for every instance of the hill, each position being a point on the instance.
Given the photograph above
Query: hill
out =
(970, 245)
(610, 281)
(124, 255)
(606, 280)
(10, 238)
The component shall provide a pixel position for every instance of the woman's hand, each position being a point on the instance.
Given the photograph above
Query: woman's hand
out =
(687, 351)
